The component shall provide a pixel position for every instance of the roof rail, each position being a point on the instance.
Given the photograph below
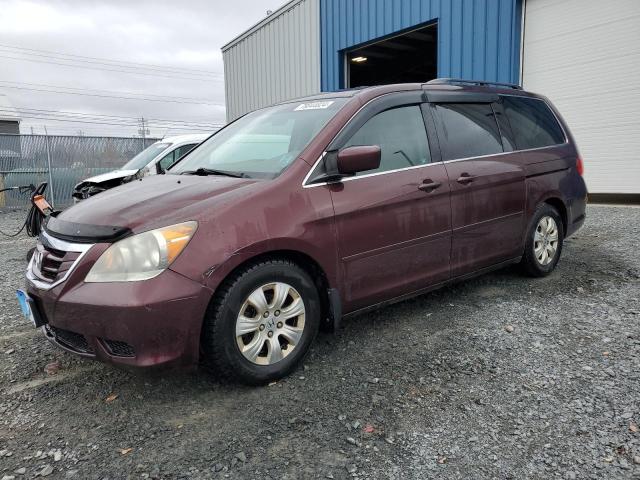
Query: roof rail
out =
(481, 83)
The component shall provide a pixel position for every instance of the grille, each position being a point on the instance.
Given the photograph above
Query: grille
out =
(71, 340)
(119, 349)
(50, 264)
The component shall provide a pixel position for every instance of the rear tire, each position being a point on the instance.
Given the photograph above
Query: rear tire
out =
(261, 322)
(545, 238)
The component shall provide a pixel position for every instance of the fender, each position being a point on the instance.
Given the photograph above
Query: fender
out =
(213, 275)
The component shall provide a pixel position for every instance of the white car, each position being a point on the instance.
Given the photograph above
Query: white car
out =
(154, 159)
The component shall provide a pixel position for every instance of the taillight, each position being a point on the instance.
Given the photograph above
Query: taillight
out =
(580, 166)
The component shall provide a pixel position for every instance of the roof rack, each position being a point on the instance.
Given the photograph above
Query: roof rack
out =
(481, 83)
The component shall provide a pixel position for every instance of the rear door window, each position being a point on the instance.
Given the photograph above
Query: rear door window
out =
(401, 135)
(467, 130)
(533, 123)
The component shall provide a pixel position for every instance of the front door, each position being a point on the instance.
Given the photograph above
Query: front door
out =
(487, 187)
(394, 223)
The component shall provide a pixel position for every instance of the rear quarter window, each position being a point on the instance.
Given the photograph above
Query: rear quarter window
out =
(533, 123)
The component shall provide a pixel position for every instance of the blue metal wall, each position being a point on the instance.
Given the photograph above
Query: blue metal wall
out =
(477, 39)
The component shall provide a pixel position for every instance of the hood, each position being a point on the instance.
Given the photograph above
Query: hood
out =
(152, 202)
(105, 177)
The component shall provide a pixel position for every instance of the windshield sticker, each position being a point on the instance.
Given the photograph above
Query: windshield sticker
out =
(313, 106)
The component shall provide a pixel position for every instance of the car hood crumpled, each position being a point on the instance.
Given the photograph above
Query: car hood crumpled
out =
(105, 177)
(156, 201)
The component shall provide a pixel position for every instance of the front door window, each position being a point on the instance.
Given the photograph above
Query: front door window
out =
(400, 134)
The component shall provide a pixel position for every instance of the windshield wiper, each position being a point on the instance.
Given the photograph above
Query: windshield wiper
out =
(210, 171)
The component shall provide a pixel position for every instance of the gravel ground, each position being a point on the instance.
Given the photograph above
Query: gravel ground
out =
(499, 377)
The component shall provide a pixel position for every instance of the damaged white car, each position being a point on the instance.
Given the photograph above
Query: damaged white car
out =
(155, 159)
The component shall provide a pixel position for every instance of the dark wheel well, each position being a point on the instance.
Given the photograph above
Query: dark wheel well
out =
(562, 210)
(304, 261)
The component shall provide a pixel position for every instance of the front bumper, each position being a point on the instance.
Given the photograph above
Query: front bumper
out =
(142, 324)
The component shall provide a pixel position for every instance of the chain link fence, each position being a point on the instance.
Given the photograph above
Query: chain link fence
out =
(62, 161)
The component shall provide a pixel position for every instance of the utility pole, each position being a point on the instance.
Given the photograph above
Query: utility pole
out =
(143, 131)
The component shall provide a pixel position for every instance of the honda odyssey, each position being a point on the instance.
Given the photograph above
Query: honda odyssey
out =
(297, 215)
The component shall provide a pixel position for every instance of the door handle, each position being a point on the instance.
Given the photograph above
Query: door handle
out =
(429, 185)
(465, 178)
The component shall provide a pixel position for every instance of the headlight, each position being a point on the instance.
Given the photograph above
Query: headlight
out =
(142, 256)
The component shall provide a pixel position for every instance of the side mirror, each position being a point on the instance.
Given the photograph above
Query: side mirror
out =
(358, 159)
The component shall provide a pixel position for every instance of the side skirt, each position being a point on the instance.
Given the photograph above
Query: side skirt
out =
(431, 288)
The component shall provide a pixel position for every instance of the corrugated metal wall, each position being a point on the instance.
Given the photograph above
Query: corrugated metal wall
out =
(277, 59)
(586, 59)
(477, 39)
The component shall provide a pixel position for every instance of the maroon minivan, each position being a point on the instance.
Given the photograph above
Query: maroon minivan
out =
(296, 215)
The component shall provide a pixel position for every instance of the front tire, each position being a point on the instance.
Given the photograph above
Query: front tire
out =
(545, 239)
(261, 322)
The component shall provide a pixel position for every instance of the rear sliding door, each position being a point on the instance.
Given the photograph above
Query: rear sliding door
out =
(487, 188)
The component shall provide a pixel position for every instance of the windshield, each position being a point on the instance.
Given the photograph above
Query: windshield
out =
(262, 143)
(144, 157)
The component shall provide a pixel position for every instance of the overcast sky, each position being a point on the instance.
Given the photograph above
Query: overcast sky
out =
(181, 36)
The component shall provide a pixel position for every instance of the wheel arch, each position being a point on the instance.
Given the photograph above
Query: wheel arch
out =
(329, 297)
(560, 206)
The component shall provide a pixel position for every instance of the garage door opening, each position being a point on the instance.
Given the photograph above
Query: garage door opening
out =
(404, 58)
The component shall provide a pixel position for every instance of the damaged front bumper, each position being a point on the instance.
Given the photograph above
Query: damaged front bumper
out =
(95, 185)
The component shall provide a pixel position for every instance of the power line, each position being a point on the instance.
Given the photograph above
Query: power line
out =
(119, 124)
(112, 62)
(106, 130)
(83, 89)
(112, 94)
(111, 69)
(158, 127)
(128, 69)
(205, 101)
(40, 111)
